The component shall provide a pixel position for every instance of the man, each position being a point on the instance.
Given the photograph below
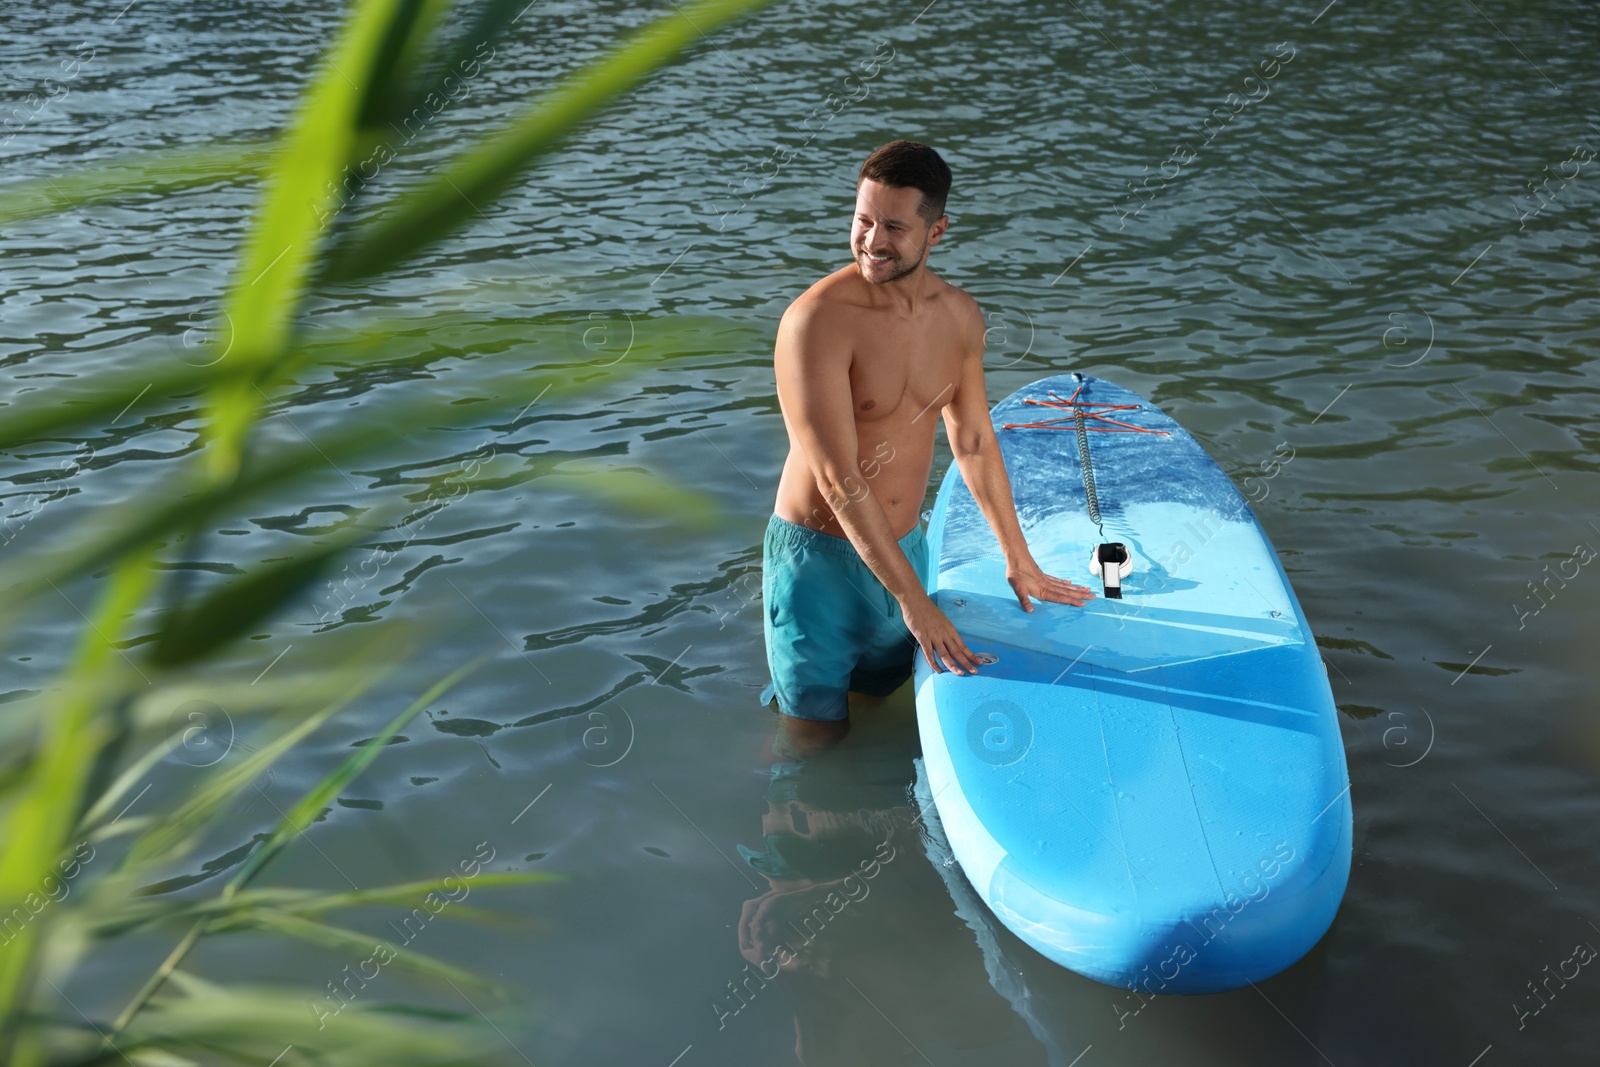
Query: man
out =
(864, 359)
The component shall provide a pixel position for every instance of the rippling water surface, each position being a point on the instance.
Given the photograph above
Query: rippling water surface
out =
(1356, 255)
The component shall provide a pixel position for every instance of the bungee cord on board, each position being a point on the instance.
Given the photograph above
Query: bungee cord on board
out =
(1109, 559)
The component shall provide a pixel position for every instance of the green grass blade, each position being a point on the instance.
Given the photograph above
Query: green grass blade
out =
(397, 67)
(186, 506)
(34, 828)
(339, 939)
(637, 490)
(294, 823)
(287, 238)
(321, 795)
(131, 913)
(152, 709)
(564, 367)
(192, 632)
(483, 173)
(318, 903)
(253, 1025)
(200, 809)
(158, 173)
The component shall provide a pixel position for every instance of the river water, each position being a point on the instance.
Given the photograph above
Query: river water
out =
(1358, 261)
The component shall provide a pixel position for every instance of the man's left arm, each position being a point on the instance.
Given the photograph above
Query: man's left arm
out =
(977, 455)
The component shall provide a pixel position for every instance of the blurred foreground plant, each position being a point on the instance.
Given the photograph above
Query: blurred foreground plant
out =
(73, 755)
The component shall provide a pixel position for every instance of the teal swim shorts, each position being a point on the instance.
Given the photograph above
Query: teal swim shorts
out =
(830, 624)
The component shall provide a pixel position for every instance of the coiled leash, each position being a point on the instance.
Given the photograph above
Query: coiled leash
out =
(1110, 559)
(1089, 493)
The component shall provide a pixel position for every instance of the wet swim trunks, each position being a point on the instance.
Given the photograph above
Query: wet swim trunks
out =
(830, 624)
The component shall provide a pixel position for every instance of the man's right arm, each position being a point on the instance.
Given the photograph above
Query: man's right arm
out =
(812, 362)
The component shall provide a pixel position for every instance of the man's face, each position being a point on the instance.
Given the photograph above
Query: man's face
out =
(888, 238)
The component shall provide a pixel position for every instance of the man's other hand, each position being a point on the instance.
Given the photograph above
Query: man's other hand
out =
(937, 635)
(1027, 580)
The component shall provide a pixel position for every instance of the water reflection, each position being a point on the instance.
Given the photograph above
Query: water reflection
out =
(857, 928)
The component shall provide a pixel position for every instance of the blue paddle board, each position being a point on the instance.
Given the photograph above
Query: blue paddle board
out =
(1150, 790)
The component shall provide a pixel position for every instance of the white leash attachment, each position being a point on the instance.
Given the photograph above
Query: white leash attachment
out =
(1112, 562)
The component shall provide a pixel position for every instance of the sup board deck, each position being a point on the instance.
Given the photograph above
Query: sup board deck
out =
(1151, 791)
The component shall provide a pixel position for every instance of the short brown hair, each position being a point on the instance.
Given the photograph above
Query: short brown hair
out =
(911, 165)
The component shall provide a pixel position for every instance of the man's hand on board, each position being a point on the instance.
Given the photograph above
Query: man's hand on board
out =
(1030, 583)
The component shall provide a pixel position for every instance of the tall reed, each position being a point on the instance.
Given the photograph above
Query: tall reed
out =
(74, 755)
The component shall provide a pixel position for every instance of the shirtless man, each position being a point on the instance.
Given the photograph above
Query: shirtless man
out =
(864, 359)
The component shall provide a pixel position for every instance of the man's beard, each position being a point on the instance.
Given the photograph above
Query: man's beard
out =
(921, 255)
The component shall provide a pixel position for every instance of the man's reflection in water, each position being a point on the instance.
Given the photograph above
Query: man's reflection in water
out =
(858, 928)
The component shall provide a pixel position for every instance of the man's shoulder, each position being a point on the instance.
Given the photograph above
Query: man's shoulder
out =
(825, 304)
(818, 321)
(962, 308)
(830, 293)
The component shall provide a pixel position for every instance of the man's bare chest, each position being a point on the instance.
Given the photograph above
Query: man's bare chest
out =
(903, 374)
